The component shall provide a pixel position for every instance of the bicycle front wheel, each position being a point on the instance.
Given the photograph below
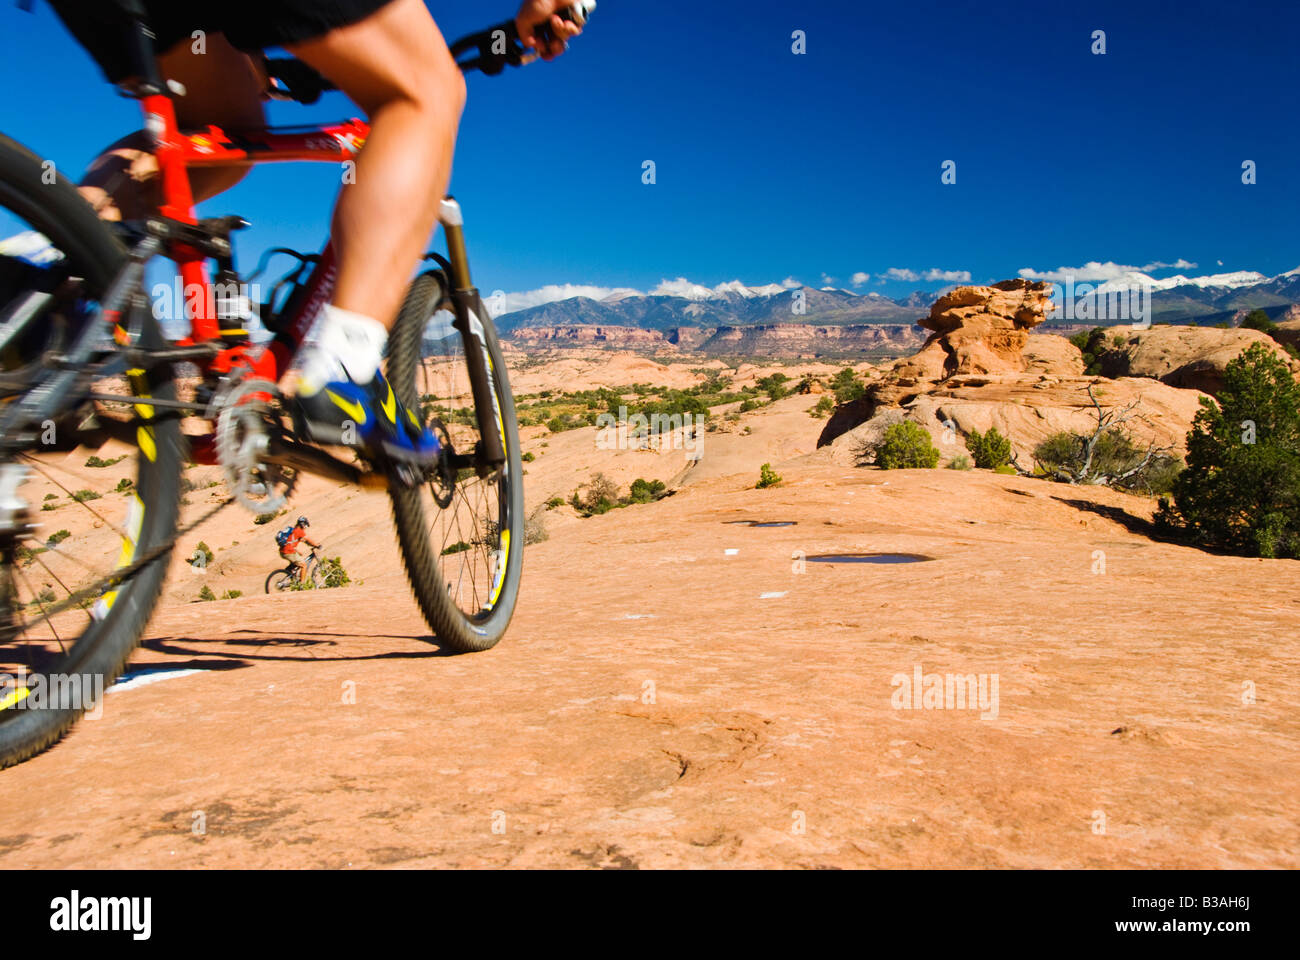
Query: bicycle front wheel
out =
(78, 585)
(461, 536)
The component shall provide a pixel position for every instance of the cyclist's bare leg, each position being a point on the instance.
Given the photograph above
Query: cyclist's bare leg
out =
(223, 87)
(395, 65)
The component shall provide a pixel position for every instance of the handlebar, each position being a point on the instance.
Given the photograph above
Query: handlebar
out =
(489, 51)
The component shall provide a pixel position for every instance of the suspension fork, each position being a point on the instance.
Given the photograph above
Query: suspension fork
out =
(491, 454)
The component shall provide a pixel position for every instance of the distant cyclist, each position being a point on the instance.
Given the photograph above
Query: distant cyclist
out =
(291, 540)
(390, 58)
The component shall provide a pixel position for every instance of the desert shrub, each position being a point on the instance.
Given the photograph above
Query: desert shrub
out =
(767, 477)
(263, 518)
(990, 450)
(775, 386)
(58, 537)
(460, 546)
(535, 527)
(1092, 344)
(1116, 461)
(232, 594)
(96, 462)
(51, 496)
(206, 593)
(847, 387)
(81, 496)
(1006, 469)
(124, 486)
(806, 384)
(554, 502)
(750, 404)
(823, 407)
(647, 491)
(1241, 488)
(202, 555)
(601, 496)
(45, 598)
(959, 462)
(906, 446)
(528, 457)
(49, 506)
(1261, 321)
(332, 573)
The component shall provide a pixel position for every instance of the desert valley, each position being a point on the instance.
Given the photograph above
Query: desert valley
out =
(711, 665)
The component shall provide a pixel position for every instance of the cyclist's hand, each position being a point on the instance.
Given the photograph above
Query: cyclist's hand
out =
(533, 13)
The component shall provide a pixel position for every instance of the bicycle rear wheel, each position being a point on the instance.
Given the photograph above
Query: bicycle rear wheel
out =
(76, 588)
(462, 543)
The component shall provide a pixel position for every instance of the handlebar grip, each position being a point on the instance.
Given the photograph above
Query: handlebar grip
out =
(578, 13)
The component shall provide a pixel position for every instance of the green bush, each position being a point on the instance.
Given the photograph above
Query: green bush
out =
(647, 491)
(96, 462)
(960, 462)
(460, 546)
(906, 446)
(824, 406)
(232, 594)
(601, 496)
(51, 496)
(207, 594)
(332, 573)
(767, 477)
(124, 486)
(58, 537)
(554, 502)
(775, 386)
(81, 496)
(990, 450)
(1092, 344)
(1261, 321)
(528, 457)
(1241, 488)
(1063, 456)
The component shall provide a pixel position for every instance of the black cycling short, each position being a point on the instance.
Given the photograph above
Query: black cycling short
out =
(250, 25)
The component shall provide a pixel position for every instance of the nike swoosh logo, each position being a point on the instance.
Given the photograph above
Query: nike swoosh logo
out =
(355, 411)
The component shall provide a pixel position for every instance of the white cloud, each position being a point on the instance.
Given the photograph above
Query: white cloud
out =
(860, 278)
(827, 279)
(553, 292)
(1093, 271)
(948, 276)
(933, 275)
(681, 287)
(790, 283)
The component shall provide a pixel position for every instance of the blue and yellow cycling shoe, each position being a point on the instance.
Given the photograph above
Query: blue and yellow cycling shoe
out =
(367, 417)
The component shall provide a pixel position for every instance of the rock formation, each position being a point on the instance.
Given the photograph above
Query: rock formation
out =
(1192, 357)
(982, 368)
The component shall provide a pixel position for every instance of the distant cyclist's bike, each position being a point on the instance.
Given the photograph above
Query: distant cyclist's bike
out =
(286, 578)
(85, 360)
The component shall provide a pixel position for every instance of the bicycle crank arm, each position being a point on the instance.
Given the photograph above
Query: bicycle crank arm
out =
(299, 456)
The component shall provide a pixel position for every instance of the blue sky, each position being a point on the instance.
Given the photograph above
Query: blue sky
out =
(826, 165)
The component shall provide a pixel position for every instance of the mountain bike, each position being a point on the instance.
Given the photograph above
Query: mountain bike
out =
(286, 578)
(85, 361)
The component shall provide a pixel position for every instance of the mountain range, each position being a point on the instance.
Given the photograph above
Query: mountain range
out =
(1179, 299)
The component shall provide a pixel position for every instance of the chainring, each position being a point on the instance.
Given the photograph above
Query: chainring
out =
(243, 435)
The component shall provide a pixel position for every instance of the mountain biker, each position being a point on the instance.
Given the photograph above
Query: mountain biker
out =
(389, 57)
(290, 542)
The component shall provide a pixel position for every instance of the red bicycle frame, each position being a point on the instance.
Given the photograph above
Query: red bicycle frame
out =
(177, 154)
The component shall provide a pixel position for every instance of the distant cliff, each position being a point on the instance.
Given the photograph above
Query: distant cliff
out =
(761, 340)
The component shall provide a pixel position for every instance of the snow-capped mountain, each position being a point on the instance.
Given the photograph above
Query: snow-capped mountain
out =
(680, 303)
